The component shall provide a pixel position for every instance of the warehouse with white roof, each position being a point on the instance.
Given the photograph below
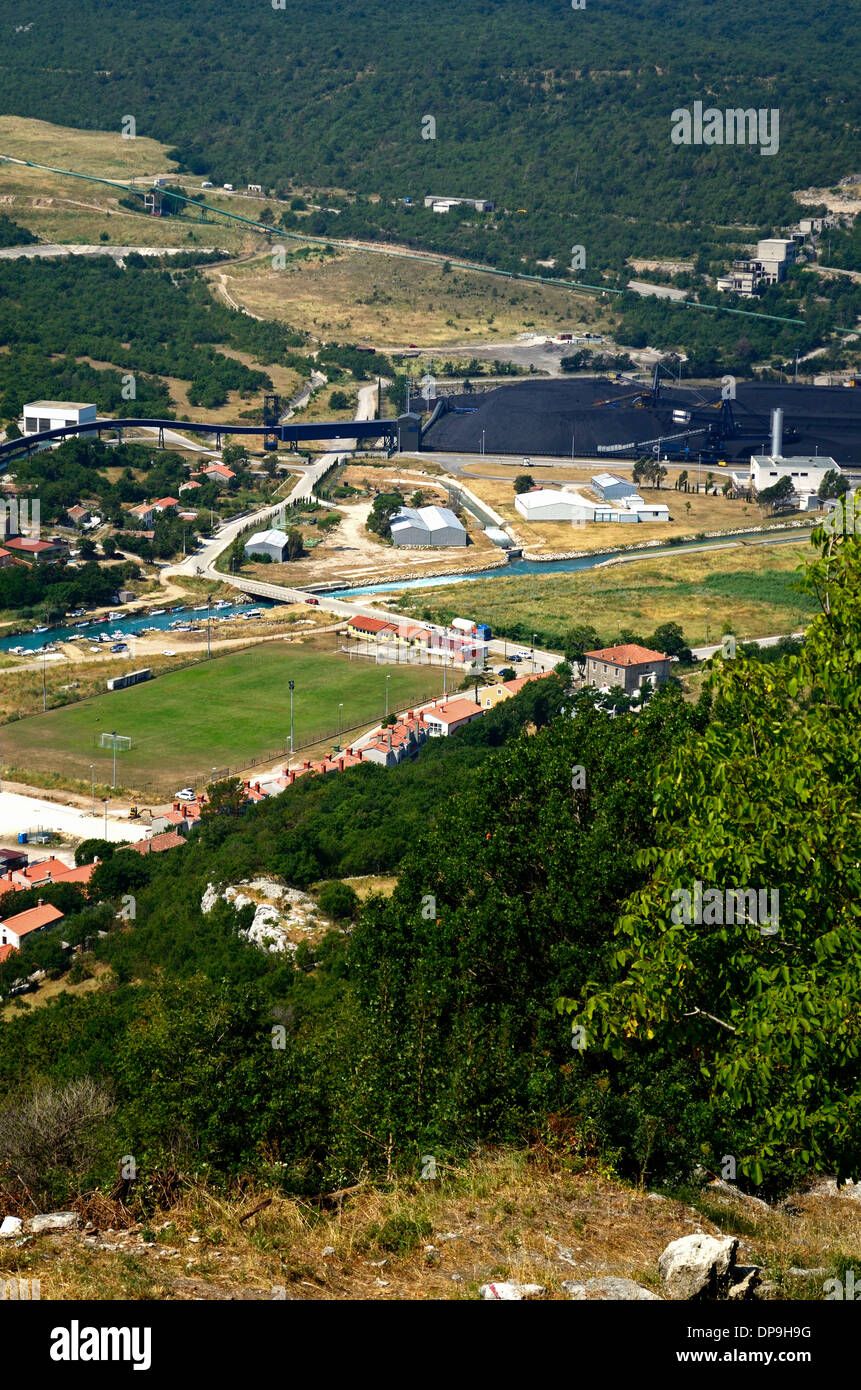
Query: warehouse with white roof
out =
(427, 526)
(272, 543)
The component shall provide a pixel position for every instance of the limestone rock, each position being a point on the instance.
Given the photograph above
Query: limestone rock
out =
(53, 1221)
(610, 1288)
(697, 1266)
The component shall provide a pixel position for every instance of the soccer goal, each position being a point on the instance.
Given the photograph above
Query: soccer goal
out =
(122, 742)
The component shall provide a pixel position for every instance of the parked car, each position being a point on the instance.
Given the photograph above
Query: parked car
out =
(187, 794)
(312, 601)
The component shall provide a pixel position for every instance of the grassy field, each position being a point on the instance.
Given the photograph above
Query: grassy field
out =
(392, 301)
(749, 590)
(222, 713)
(60, 209)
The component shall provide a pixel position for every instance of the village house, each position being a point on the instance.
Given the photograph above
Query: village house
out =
(628, 665)
(14, 929)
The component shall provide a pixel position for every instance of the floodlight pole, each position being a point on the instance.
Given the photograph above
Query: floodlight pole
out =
(93, 790)
(105, 800)
(388, 678)
(114, 738)
(291, 684)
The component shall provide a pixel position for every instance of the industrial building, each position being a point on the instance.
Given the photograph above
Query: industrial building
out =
(39, 416)
(438, 204)
(427, 526)
(610, 486)
(267, 543)
(548, 504)
(767, 267)
(805, 472)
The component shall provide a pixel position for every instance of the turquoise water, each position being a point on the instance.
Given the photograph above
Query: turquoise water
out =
(35, 641)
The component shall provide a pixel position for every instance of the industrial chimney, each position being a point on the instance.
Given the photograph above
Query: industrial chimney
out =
(777, 432)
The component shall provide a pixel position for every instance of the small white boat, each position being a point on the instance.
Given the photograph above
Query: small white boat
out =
(156, 612)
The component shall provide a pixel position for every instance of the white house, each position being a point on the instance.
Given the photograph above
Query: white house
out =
(427, 526)
(39, 416)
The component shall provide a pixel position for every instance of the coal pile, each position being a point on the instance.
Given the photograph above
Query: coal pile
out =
(590, 416)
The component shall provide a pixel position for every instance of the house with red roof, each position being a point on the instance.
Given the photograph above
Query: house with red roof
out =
(628, 665)
(36, 552)
(143, 514)
(14, 929)
(443, 719)
(6, 558)
(166, 504)
(218, 472)
(157, 844)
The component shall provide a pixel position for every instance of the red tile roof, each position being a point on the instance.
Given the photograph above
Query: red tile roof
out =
(42, 871)
(82, 874)
(167, 502)
(628, 654)
(168, 839)
(371, 624)
(33, 547)
(454, 710)
(33, 918)
(6, 951)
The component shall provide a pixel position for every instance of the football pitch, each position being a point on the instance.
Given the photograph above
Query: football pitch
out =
(219, 714)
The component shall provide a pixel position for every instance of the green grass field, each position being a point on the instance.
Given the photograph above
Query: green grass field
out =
(222, 713)
(750, 590)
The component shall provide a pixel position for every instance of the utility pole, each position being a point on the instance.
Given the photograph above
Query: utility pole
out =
(44, 686)
(388, 678)
(533, 651)
(208, 616)
(105, 800)
(340, 707)
(114, 741)
(291, 684)
(93, 791)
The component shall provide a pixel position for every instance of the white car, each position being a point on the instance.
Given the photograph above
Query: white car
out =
(168, 653)
(187, 794)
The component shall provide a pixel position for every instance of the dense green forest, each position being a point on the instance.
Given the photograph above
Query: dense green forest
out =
(539, 855)
(563, 112)
(145, 321)
(13, 235)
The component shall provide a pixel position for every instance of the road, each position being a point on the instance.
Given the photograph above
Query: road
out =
(19, 813)
(703, 653)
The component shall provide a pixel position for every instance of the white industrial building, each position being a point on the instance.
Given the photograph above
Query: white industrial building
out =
(39, 416)
(806, 472)
(438, 204)
(548, 504)
(610, 486)
(768, 267)
(427, 526)
(272, 543)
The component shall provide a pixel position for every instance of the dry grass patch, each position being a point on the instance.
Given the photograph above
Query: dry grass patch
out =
(505, 1215)
(394, 301)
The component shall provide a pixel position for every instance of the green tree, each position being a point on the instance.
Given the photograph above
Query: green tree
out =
(338, 900)
(762, 801)
(523, 482)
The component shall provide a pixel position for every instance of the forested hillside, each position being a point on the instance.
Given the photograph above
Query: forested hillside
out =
(562, 112)
(529, 900)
